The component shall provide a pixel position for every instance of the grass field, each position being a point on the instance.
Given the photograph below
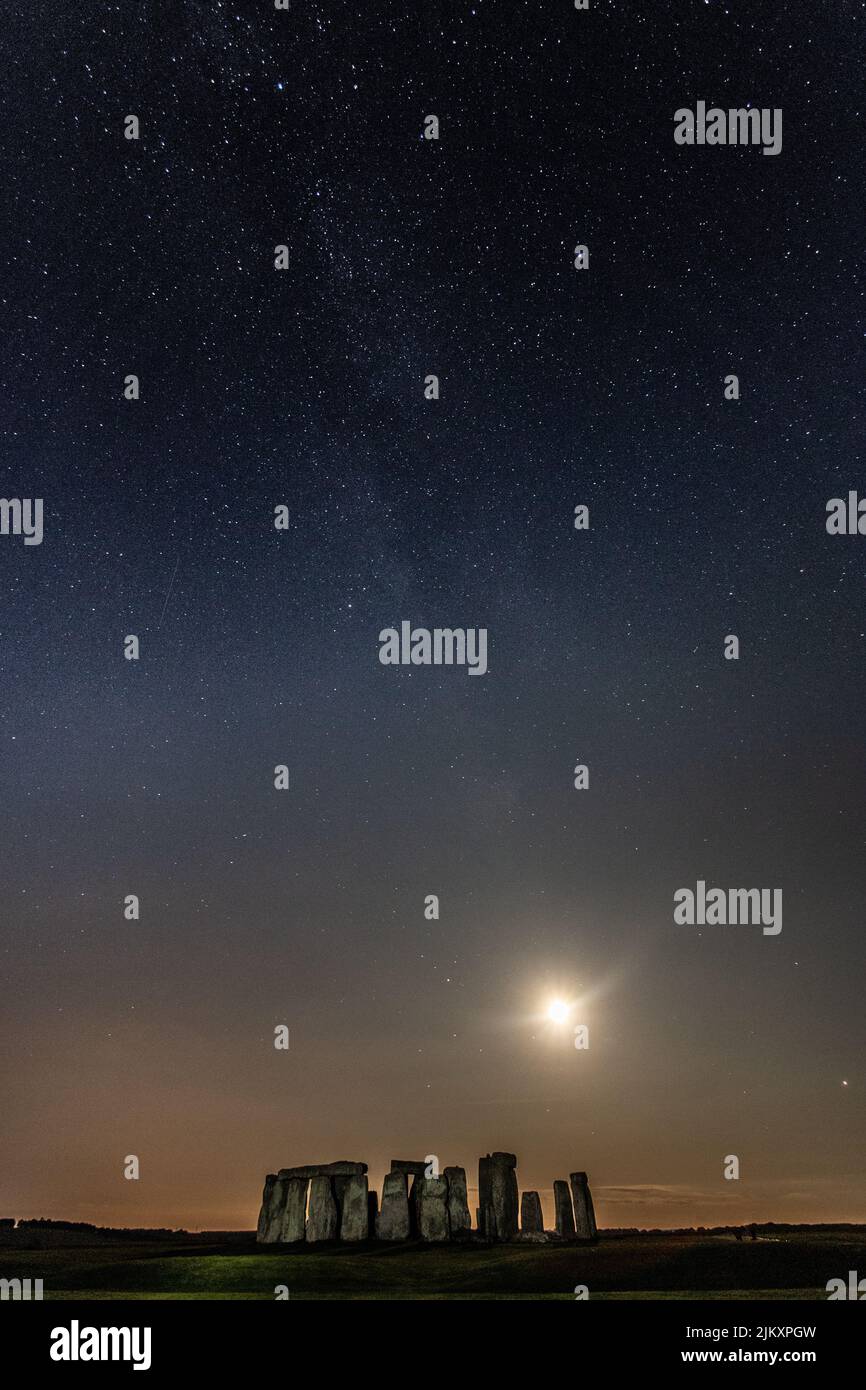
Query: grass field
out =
(789, 1266)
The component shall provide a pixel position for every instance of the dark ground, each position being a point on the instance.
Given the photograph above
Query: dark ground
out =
(788, 1263)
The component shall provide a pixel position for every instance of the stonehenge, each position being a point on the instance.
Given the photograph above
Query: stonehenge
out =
(320, 1202)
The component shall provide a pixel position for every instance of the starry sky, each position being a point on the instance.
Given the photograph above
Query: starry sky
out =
(259, 647)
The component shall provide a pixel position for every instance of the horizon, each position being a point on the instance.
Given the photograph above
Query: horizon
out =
(747, 1210)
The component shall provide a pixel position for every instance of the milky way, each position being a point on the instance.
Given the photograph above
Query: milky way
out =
(259, 647)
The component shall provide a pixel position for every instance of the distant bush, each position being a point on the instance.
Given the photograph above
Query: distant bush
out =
(43, 1221)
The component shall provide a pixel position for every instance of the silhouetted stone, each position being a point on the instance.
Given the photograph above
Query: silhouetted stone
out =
(340, 1204)
(563, 1209)
(531, 1219)
(265, 1208)
(432, 1199)
(329, 1170)
(458, 1206)
(392, 1222)
(354, 1213)
(294, 1210)
(485, 1212)
(584, 1216)
(591, 1211)
(414, 1199)
(269, 1228)
(505, 1197)
(338, 1187)
(322, 1215)
(497, 1189)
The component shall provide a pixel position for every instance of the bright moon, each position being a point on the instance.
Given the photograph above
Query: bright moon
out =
(558, 1011)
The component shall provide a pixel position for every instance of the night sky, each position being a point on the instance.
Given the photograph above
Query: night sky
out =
(260, 647)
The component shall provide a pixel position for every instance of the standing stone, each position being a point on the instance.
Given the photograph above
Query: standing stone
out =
(584, 1215)
(338, 1187)
(458, 1205)
(322, 1217)
(432, 1200)
(392, 1222)
(294, 1210)
(531, 1219)
(485, 1210)
(264, 1209)
(564, 1213)
(497, 1187)
(269, 1228)
(354, 1215)
(414, 1201)
(372, 1213)
(591, 1210)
